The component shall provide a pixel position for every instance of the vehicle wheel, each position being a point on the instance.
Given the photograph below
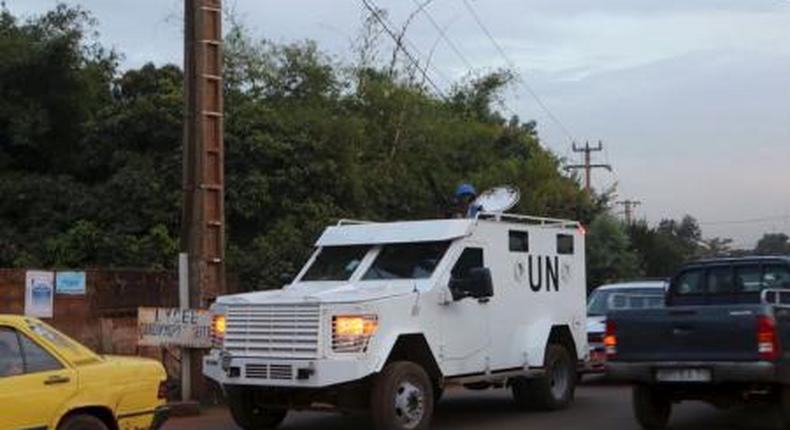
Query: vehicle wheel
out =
(553, 391)
(82, 422)
(248, 414)
(402, 397)
(652, 409)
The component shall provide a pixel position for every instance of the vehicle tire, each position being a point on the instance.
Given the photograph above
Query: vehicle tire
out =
(82, 422)
(651, 408)
(248, 414)
(553, 391)
(402, 397)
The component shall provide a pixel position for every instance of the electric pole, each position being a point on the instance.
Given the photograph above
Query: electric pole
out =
(203, 212)
(588, 166)
(628, 208)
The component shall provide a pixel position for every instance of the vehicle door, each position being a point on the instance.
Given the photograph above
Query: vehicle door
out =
(464, 321)
(34, 384)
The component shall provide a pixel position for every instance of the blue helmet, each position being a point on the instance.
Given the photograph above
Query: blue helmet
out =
(465, 190)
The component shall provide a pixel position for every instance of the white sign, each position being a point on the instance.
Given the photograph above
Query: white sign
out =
(174, 327)
(39, 293)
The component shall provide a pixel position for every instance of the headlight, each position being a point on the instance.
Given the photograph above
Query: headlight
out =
(219, 325)
(352, 333)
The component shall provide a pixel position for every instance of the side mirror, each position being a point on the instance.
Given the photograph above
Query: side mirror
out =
(286, 278)
(477, 284)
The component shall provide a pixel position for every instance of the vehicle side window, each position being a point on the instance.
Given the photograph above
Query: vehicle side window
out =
(564, 244)
(720, 281)
(776, 276)
(471, 258)
(518, 241)
(11, 363)
(36, 358)
(748, 279)
(690, 283)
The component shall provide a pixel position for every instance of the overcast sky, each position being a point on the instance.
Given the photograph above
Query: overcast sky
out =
(691, 97)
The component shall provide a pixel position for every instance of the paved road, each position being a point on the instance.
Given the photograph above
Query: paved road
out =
(597, 407)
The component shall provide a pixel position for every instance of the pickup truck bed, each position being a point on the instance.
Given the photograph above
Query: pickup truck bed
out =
(722, 339)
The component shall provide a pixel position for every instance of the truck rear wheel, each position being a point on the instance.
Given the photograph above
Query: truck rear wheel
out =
(402, 397)
(553, 391)
(248, 414)
(652, 408)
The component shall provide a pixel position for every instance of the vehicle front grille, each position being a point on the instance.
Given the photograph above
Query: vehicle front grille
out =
(273, 330)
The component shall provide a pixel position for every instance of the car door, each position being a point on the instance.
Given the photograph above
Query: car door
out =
(464, 323)
(34, 384)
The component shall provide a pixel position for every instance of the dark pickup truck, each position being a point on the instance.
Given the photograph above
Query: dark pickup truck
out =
(723, 337)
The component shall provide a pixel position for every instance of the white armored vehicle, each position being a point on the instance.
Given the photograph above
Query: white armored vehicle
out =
(384, 316)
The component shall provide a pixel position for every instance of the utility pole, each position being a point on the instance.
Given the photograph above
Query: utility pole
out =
(203, 219)
(588, 166)
(628, 207)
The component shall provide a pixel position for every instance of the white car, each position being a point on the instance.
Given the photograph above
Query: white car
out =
(384, 316)
(628, 295)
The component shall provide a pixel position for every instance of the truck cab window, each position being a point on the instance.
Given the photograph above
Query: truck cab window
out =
(11, 363)
(470, 259)
(720, 281)
(776, 276)
(407, 261)
(748, 279)
(336, 263)
(690, 283)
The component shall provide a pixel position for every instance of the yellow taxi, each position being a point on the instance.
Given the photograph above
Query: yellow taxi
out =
(48, 381)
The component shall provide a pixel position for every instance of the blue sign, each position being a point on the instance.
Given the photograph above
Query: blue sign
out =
(70, 283)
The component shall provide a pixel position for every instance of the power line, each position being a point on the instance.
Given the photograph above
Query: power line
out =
(443, 33)
(374, 10)
(512, 65)
(749, 221)
(452, 45)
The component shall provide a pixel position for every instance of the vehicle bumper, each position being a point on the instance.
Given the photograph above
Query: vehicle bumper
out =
(256, 371)
(721, 372)
(597, 361)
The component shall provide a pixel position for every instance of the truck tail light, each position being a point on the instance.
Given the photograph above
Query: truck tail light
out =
(610, 339)
(219, 325)
(767, 340)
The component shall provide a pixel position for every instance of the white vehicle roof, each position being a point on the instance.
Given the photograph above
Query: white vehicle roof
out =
(633, 285)
(395, 232)
(364, 233)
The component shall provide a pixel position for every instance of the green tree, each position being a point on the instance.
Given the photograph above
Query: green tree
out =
(609, 254)
(773, 244)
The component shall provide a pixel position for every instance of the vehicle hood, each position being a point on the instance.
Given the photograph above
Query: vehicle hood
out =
(325, 292)
(596, 324)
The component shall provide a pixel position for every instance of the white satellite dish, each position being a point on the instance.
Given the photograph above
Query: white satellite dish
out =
(498, 200)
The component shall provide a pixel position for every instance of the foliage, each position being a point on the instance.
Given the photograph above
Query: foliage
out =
(609, 254)
(773, 244)
(90, 157)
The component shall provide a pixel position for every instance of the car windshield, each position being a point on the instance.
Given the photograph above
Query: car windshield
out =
(336, 263)
(407, 261)
(603, 301)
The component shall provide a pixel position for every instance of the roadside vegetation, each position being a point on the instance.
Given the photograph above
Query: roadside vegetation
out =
(90, 155)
